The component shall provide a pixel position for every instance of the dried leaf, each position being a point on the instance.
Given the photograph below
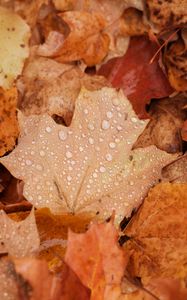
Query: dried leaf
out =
(133, 23)
(8, 120)
(97, 260)
(164, 128)
(184, 131)
(176, 62)
(85, 41)
(18, 238)
(50, 87)
(109, 176)
(176, 171)
(14, 37)
(158, 241)
(167, 14)
(140, 80)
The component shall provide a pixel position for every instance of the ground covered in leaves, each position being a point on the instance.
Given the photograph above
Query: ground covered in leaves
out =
(93, 165)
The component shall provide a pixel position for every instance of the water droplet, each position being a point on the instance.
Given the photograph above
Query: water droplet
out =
(81, 149)
(48, 129)
(108, 157)
(131, 183)
(119, 128)
(85, 111)
(95, 175)
(102, 169)
(28, 162)
(62, 135)
(109, 114)
(91, 126)
(68, 154)
(105, 125)
(112, 145)
(91, 141)
(39, 167)
(32, 152)
(38, 187)
(134, 120)
(115, 101)
(69, 178)
(42, 153)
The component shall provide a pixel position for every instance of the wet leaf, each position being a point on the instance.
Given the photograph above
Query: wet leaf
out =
(140, 80)
(164, 128)
(109, 175)
(176, 171)
(158, 234)
(18, 238)
(14, 37)
(97, 260)
(8, 120)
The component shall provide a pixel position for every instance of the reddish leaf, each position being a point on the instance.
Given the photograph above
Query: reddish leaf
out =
(140, 80)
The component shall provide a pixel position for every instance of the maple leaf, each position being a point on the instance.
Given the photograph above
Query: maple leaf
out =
(52, 87)
(85, 41)
(97, 259)
(157, 243)
(140, 80)
(18, 238)
(14, 37)
(8, 121)
(109, 175)
(163, 130)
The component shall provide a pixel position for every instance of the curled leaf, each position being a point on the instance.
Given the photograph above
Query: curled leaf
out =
(98, 145)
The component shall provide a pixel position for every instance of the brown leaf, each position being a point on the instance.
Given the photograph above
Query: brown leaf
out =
(184, 131)
(85, 41)
(167, 14)
(18, 238)
(97, 259)
(8, 120)
(164, 128)
(50, 87)
(176, 171)
(98, 143)
(158, 240)
(176, 62)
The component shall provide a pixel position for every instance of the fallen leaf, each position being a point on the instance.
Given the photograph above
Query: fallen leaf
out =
(109, 175)
(176, 62)
(8, 122)
(18, 238)
(132, 23)
(184, 131)
(140, 80)
(157, 234)
(164, 128)
(167, 14)
(50, 87)
(176, 171)
(85, 41)
(97, 259)
(46, 286)
(14, 38)
(160, 288)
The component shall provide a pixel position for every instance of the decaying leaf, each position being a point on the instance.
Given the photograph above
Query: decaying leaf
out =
(97, 260)
(85, 41)
(176, 62)
(14, 37)
(158, 241)
(176, 172)
(164, 128)
(88, 166)
(8, 121)
(167, 14)
(140, 80)
(50, 87)
(159, 289)
(18, 238)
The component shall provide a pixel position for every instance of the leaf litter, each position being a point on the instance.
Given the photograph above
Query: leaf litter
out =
(58, 87)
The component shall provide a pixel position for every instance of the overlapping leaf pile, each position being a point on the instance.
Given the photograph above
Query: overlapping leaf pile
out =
(83, 215)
